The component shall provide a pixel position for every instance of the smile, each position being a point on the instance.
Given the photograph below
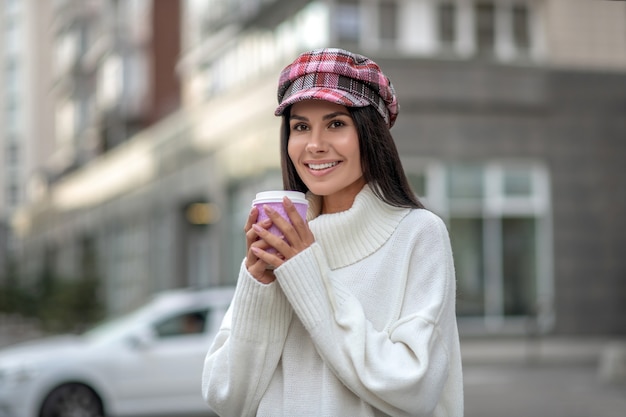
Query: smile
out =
(319, 167)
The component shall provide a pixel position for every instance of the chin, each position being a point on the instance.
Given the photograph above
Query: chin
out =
(321, 191)
(318, 191)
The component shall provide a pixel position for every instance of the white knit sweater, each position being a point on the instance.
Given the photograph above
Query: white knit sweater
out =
(362, 323)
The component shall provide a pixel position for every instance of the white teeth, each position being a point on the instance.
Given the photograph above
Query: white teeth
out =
(323, 166)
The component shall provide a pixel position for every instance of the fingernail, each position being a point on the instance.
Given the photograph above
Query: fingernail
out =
(266, 222)
(287, 202)
(257, 228)
(268, 209)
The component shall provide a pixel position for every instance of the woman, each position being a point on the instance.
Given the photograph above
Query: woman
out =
(355, 313)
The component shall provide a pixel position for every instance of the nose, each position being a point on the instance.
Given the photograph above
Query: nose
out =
(316, 143)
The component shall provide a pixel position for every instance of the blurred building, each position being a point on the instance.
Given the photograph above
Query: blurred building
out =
(25, 108)
(511, 128)
(111, 76)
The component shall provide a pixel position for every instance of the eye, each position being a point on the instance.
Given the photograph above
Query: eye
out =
(336, 123)
(299, 127)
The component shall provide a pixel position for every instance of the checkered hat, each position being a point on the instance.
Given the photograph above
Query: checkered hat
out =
(340, 77)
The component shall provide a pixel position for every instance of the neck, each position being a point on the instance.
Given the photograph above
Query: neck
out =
(342, 200)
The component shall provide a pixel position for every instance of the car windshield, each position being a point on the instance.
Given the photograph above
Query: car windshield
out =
(116, 327)
(169, 315)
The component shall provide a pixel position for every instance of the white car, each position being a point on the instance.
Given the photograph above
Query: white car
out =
(147, 363)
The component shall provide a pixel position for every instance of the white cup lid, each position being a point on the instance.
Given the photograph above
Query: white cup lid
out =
(276, 196)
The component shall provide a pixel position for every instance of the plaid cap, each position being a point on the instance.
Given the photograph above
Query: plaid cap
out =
(340, 77)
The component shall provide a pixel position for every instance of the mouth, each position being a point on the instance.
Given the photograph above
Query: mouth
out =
(322, 166)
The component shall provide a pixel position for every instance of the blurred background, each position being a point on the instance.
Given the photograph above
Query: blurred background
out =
(135, 133)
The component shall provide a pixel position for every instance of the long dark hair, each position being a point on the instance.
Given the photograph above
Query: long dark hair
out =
(380, 160)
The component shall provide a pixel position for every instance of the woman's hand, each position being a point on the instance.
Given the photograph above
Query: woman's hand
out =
(297, 235)
(256, 266)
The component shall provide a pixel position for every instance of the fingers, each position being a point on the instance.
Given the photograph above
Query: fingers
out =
(252, 237)
(257, 261)
(260, 271)
(273, 259)
(254, 214)
(295, 230)
(269, 239)
(299, 224)
(256, 266)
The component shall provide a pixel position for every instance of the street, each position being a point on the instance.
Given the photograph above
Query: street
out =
(556, 377)
(549, 390)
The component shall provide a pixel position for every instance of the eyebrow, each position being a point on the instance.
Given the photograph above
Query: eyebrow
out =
(325, 117)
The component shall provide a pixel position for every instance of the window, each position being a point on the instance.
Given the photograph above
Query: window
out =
(11, 117)
(388, 21)
(521, 35)
(13, 194)
(447, 24)
(517, 182)
(346, 23)
(503, 30)
(380, 18)
(189, 323)
(12, 153)
(466, 235)
(12, 76)
(13, 40)
(519, 234)
(465, 182)
(498, 217)
(485, 28)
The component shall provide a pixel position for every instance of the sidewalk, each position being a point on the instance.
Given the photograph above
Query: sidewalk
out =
(548, 376)
(545, 349)
(608, 355)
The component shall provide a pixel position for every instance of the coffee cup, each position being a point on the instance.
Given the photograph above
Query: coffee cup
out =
(274, 199)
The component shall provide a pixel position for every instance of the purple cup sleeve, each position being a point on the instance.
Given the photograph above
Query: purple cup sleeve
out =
(280, 209)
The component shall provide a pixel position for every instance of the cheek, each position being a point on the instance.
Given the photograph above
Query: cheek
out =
(351, 149)
(293, 151)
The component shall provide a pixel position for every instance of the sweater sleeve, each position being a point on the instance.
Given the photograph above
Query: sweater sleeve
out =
(247, 348)
(400, 370)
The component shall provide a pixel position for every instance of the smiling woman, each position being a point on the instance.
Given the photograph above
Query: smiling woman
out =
(353, 312)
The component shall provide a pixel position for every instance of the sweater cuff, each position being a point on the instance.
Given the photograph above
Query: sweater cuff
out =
(304, 280)
(260, 311)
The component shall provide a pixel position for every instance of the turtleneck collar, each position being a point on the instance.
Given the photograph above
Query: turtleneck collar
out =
(349, 236)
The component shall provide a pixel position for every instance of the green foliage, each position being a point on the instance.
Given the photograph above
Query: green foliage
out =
(70, 306)
(60, 305)
(13, 299)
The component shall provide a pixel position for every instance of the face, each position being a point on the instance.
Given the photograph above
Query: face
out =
(324, 147)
